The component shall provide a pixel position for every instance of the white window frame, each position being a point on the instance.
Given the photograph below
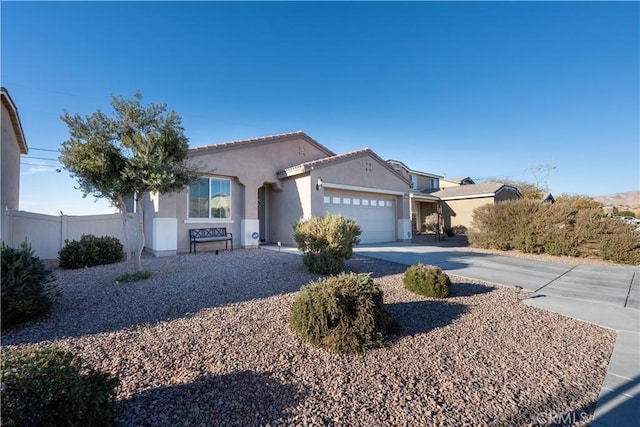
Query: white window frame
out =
(209, 218)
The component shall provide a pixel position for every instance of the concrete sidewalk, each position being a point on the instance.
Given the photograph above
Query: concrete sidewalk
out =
(608, 296)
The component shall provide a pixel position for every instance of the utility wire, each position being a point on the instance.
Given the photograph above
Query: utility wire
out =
(43, 149)
(40, 158)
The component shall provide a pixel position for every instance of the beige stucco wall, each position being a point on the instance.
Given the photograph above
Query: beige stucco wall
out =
(286, 208)
(421, 209)
(364, 171)
(10, 175)
(460, 212)
(249, 167)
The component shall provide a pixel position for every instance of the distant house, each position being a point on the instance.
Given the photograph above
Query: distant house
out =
(14, 145)
(460, 202)
(455, 182)
(422, 200)
(258, 188)
(548, 198)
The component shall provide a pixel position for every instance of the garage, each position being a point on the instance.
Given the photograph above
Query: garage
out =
(375, 214)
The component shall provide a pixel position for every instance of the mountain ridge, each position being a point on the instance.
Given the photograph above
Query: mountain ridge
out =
(628, 198)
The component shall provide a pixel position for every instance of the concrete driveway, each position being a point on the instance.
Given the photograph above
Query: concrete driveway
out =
(608, 296)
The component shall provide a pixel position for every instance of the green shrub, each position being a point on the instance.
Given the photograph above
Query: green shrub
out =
(427, 280)
(53, 387)
(342, 313)
(26, 289)
(326, 242)
(134, 277)
(90, 251)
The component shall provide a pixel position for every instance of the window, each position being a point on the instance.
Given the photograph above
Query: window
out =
(434, 183)
(346, 201)
(327, 199)
(336, 200)
(365, 202)
(414, 181)
(374, 203)
(210, 198)
(356, 202)
(381, 203)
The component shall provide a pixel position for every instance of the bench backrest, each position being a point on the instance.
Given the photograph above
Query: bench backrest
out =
(194, 233)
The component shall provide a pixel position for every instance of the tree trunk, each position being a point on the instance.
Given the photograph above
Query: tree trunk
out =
(137, 258)
(122, 207)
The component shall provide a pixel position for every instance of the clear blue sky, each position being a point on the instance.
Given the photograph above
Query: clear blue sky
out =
(476, 89)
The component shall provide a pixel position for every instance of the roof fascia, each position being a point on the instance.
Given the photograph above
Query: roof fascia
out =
(15, 120)
(243, 143)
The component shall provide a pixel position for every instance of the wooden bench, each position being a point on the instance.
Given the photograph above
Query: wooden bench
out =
(202, 235)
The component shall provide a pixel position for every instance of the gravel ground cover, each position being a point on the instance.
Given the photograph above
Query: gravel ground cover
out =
(206, 341)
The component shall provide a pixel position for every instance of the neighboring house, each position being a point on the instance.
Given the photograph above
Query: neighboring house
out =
(422, 200)
(14, 145)
(460, 202)
(258, 189)
(455, 182)
(548, 198)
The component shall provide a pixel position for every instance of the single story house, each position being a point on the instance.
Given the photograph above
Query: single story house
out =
(258, 189)
(13, 145)
(458, 203)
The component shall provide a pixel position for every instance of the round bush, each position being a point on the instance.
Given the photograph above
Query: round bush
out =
(54, 387)
(427, 280)
(342, 313)
(26, 289)
(90, 251)
(326, 242)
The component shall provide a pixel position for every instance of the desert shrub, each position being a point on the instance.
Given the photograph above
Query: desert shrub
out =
(27, 292)
(90, 251)
(619, 242)
(627, 213)
(326, 242)
(342, 313)
(432, 223)
(573, 227)
(54, 387)
(458, 229)
(427, 280)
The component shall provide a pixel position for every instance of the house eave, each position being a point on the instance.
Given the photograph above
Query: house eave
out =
(15, 120)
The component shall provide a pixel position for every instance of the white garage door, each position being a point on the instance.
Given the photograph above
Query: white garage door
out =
(375, 215)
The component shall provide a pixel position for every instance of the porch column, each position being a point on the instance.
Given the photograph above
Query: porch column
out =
(250, 224)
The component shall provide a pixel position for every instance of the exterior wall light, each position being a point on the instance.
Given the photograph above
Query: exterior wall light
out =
(319, 184)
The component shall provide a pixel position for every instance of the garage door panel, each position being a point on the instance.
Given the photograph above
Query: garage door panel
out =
(377, 222)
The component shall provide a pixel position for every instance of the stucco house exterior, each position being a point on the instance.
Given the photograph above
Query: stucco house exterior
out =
(455, 182)
(422, 201)
(458, 203)
(14, 145)
(258, 188)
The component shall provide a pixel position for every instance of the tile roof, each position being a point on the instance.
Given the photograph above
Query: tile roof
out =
(471, 190)
(308, 166)
(413, 171)
(263, 139)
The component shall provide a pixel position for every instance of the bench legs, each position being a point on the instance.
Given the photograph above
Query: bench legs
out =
(192, 246)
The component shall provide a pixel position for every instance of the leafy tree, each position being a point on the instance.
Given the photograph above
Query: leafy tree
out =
(141, 149)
